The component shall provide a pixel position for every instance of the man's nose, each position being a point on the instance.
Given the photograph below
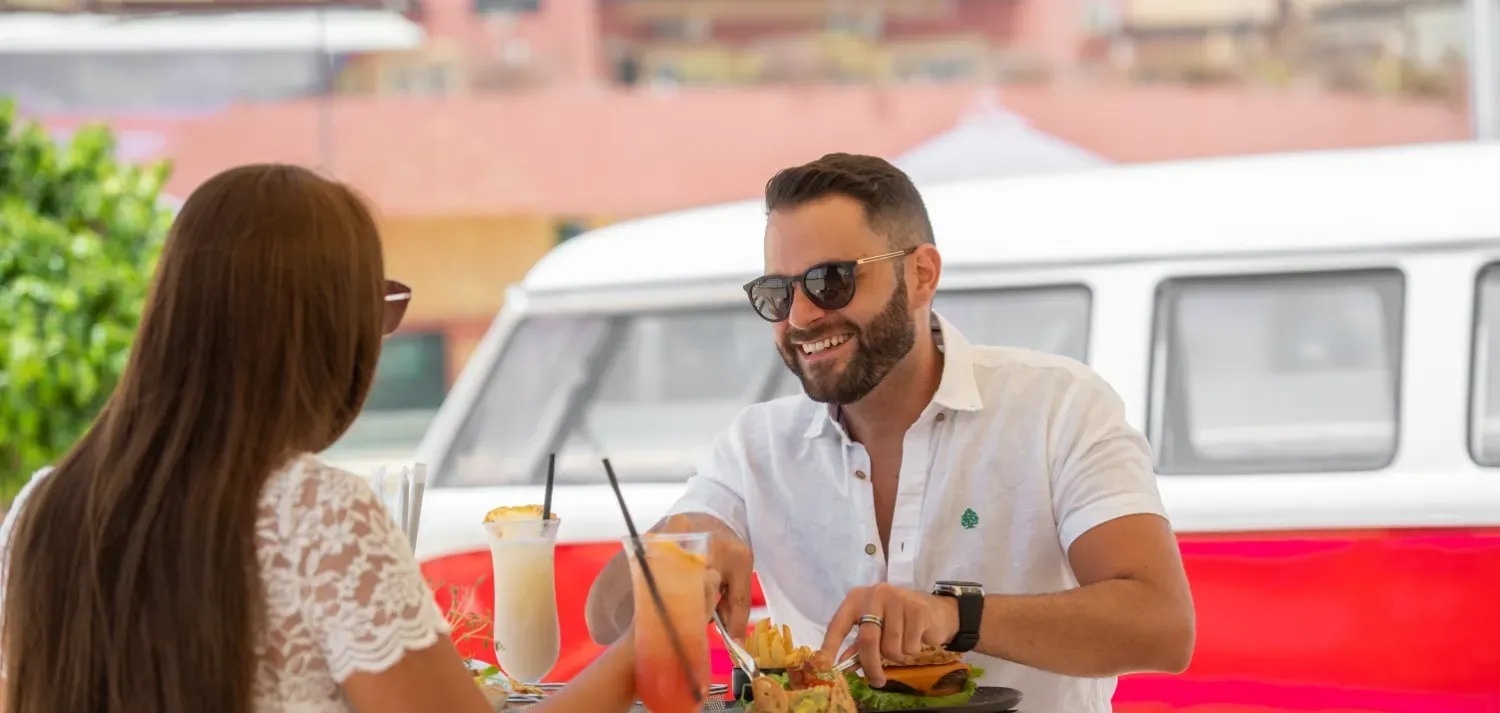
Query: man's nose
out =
(804, 311)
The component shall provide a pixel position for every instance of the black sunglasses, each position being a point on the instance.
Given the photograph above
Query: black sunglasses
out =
(829, 285)
(397, 299)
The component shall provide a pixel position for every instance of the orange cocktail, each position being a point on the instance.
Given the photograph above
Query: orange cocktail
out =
(678, 563)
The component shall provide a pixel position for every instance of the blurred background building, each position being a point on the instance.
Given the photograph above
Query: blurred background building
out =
(487, 131)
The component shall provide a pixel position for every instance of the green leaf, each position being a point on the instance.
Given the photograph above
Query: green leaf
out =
(872, 700)
(80, 234)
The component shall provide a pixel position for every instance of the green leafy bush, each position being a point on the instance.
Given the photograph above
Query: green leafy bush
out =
(79, 236)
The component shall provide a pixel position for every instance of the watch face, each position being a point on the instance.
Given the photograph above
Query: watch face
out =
(958, 588)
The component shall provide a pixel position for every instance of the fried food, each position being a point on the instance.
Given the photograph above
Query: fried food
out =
(811, 687)
(772, 647)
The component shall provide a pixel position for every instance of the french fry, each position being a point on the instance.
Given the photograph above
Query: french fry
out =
(772, 646)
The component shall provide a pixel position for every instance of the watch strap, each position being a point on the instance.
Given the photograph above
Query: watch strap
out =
(970, 600)
(970, 613)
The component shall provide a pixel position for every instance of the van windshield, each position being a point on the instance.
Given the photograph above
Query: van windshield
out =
(650, 390)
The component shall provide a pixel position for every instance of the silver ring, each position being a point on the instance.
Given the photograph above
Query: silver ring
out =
(872, 619)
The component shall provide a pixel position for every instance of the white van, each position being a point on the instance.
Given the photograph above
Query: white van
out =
(1307, 340)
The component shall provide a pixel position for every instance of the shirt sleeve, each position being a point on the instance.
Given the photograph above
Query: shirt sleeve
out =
(1101, 465)
(717, 488)
(363, 596)
(6, 527)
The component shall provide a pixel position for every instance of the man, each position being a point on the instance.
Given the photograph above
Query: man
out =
(926, 491)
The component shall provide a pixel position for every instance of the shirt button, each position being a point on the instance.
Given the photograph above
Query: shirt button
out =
(941, 416)
(870, 549)
(859, 474)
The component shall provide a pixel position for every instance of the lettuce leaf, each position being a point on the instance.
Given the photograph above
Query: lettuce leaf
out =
(872, 699)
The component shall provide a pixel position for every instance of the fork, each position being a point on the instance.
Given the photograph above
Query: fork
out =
(846, 664)
(742, 658)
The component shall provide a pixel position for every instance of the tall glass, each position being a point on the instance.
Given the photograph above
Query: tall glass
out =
(525, 619)
(678, 563)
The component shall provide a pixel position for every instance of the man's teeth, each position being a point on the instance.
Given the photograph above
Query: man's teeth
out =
(815, 347)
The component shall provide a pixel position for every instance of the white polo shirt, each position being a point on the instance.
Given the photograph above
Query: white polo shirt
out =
(1018, 454)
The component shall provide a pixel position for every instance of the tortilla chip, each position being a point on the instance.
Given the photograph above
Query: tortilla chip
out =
(770, 697)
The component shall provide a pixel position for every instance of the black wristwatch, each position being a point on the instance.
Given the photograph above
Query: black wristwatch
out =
(970, 596)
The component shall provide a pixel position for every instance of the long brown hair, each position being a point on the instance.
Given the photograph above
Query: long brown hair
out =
(134, 583)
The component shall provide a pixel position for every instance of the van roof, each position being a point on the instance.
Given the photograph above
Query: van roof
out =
(1320, 201)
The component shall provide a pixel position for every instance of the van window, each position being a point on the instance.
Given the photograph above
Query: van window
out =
(545, 359)
(1277, 373)
(648, 391)
(1051, 319)
(1047, 319)
(1484, 421)
(671, 384)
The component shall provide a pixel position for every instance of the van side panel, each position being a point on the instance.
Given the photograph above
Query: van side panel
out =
(1404, 619)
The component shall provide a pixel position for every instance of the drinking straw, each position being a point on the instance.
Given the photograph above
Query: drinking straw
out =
(661, 606)
(547, 495)
(403, 493)
(419, 487)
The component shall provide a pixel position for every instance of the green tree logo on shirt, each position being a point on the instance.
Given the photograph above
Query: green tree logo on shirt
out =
(970, 519)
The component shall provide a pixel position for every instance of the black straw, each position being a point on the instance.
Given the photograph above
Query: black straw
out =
(661, 606)
(547, 495)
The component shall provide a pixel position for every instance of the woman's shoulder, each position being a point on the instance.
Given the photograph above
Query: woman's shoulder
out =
(307, 491)
(10, 511)
(308, 481)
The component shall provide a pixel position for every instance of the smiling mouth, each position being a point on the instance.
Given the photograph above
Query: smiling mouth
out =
(811, 348)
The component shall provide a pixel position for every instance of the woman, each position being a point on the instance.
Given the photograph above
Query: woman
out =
(188, 554)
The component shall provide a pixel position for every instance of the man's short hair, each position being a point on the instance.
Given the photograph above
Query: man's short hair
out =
(891, 203)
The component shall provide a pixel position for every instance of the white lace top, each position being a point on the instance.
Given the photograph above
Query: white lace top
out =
(343, 592)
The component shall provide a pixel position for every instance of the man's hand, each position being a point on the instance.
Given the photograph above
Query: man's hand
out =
(908, 621)
(730, 557)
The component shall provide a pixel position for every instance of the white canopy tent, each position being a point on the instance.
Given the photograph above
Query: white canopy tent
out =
(992, 142)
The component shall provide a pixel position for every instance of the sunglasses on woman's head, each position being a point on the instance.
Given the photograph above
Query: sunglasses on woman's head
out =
(829, 285)
(397, 299)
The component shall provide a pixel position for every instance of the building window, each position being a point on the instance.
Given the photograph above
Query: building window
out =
(568, 229)
(1277, 373)
(412, 375)
(422, 76)
(506, 7)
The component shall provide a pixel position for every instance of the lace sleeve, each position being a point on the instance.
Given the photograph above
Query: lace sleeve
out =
(362, 594)
(5, 531)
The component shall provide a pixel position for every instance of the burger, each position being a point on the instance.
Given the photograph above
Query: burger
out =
(934, 678)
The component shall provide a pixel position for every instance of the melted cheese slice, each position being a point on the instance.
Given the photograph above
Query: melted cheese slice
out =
(923, 678)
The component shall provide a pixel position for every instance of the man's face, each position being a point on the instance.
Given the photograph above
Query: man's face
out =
(839, 355)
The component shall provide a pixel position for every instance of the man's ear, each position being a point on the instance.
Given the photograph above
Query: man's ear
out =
(927, 263)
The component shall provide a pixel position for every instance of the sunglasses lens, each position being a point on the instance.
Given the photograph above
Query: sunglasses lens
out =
(394, 311)
(772, 298)
(397, 298)
(830, 286)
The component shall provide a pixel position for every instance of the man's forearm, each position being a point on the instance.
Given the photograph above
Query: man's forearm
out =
(610, 607)
(1104, 629)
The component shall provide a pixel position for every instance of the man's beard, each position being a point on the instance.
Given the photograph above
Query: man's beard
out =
(878, 347)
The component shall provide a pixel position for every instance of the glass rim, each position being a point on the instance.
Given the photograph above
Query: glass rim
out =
(547, 527)
(667, 536)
